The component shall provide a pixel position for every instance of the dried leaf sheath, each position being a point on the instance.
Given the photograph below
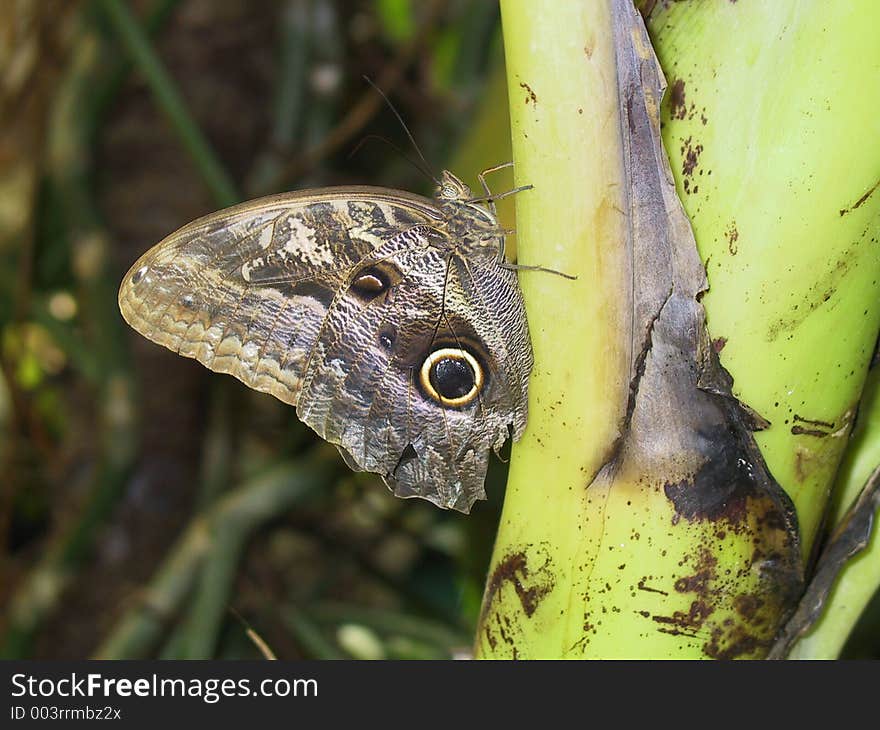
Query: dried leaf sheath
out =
(686, 433)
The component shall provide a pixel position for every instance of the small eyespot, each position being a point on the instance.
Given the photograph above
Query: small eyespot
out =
(386, 339)
(451, 376)
(138, 275)
(187, 300)
(370, 283)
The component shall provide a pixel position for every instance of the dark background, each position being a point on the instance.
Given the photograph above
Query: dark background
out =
(120, 462)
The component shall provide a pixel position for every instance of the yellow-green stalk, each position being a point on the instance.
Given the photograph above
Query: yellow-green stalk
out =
(564, 121)
(594, 562)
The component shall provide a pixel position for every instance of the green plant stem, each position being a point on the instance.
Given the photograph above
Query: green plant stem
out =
(201, 628)
(574, 409)
(776, 186)
(639, 518)
(309, 635)
(290, 108)
(154, 21)
(388, 622)
(218, 448)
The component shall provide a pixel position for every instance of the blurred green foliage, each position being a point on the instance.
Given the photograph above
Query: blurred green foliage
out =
(149, 508)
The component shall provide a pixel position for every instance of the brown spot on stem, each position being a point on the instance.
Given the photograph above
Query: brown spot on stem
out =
(732, 236)
(718, 491)
(801, 431)
(691, 156)
(686, 623)
(733, 644)
(699, 581)
(690, 151)
(747, 606)
(812, 422)
(804, 463)
(643, 587)
(530, 95)
(677, 102)
(820, 292)
(530, 586)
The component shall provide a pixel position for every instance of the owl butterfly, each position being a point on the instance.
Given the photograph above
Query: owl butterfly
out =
(389, 320)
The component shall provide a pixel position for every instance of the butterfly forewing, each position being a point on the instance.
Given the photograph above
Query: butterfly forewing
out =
(245, 290)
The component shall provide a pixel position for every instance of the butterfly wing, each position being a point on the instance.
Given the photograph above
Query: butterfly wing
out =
(483, 313)
(332, 301)
(245, 290)
(364, 389)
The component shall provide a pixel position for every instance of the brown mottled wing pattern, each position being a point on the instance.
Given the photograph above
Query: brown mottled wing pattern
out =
(264, 291)
(362, 389)
(484, 310)
(245, 290)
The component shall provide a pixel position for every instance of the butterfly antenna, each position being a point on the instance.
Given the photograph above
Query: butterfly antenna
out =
(396, 148)
(405, 129)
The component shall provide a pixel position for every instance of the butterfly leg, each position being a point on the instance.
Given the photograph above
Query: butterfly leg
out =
(523, 267)
(482, 178)
(492, 197)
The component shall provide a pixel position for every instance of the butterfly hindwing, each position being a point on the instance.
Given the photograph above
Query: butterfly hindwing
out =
(363, 389)
(452, 449)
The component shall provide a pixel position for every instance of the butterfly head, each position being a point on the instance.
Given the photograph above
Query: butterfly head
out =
(464, 211)
(452, 188)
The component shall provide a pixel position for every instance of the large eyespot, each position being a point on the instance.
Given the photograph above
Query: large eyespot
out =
(451, 376)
